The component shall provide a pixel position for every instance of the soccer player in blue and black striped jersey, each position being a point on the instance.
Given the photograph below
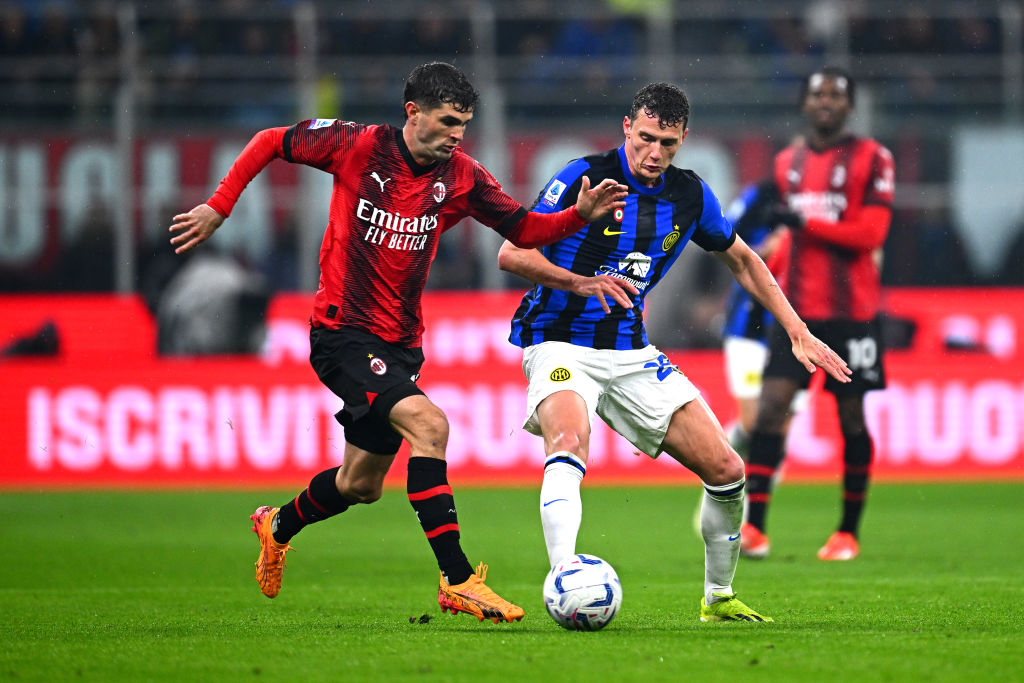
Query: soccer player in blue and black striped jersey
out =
(585, 349)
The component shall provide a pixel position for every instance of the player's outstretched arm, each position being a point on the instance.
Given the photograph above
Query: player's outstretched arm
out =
(754, 276)
(606, 196)
(194, 227)
(535, 267)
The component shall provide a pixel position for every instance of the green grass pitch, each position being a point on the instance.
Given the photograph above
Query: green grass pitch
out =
(159, 586)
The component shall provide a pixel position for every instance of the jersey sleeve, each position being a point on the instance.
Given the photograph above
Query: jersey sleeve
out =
(881, 180)
(489, 204)
(561, 191)
(714, 231)
(320, 143)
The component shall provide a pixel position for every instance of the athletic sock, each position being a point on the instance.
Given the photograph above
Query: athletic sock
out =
(561, 509)
(319, 501)
(721, 515)
(857, 452)
(765, 456)
(431, 498)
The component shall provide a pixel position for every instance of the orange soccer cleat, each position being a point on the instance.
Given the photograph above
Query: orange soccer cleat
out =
(753, 542)
(840, 546)
(474, 597)
(270, 564)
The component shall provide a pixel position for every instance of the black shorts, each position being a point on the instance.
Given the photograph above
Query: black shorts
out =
(370, 376)
(858, 343)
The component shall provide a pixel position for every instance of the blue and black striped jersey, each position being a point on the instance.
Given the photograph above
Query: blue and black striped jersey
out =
(638, 243)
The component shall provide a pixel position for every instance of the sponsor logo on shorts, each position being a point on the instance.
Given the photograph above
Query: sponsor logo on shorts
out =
(377, 366)
(559, 375)
(663, 366)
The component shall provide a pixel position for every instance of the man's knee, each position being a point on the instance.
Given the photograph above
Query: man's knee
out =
(365, 490)
(427, 425)
(726, 469)
(567, 440)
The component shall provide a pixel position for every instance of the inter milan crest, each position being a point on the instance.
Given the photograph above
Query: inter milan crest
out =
(559, 375)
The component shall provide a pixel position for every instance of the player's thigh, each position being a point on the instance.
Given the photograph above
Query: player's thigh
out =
(646, 390)
(552, 368)
(696, 439)
(564, 422)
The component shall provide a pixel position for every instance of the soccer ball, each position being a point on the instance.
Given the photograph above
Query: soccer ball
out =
(582, 593)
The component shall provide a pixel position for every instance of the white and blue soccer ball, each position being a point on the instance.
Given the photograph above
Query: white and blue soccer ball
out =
(582, 593)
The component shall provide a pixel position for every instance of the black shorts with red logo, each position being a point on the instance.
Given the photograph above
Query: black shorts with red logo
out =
(858, 343)
(370, 375)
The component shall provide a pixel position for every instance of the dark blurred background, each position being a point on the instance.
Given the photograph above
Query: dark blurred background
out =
(114, 116)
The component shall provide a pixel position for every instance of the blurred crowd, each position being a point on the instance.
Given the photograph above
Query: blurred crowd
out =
(73, 48)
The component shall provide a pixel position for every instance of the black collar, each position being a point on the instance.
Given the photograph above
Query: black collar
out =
(416, 168)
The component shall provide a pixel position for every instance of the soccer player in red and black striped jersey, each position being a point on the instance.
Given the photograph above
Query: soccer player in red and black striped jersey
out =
(395, 191)
(837, 190)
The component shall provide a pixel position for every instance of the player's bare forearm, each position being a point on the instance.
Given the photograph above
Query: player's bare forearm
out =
(194, 227)
(532, 265)
(753, 275)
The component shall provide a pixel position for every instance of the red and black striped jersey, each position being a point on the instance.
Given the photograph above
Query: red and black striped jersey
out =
(386, 215)
(845, 193)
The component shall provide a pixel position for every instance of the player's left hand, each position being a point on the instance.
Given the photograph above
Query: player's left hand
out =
(194, 227)
(603, 286)
(606, 196)
(811, 352)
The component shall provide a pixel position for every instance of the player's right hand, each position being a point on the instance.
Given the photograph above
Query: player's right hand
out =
(812, 352)
(603, 286)
(194, 227)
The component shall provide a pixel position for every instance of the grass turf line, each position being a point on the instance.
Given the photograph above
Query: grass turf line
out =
(159, 586)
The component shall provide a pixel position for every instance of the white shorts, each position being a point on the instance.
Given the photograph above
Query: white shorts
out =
(635, 391)
(744, 366)
(744, 370)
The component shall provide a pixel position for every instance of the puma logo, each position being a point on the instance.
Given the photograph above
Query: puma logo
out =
(379, 181)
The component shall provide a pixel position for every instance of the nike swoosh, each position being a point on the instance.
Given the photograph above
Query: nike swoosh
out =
(608, 231)
(733, 538)
(555, 501)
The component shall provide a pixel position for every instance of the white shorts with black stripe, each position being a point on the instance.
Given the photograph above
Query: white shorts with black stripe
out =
(635, 391)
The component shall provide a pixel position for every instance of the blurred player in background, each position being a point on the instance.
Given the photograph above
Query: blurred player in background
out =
(747, 323)
(837, 192)
(745, 332)
(395, 191)
(586, 350)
